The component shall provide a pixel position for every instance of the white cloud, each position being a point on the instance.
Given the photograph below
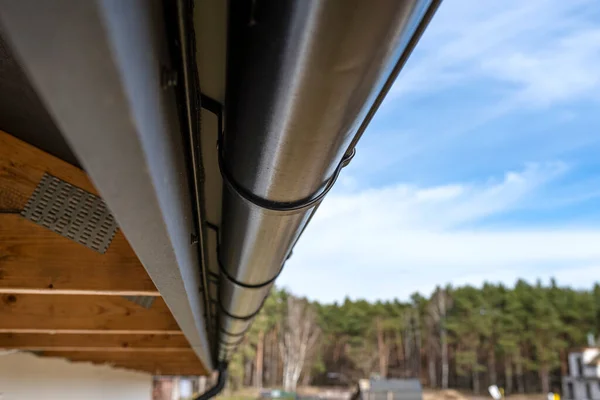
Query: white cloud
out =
(404, 206)
(565, 70)
(393, 241)
(543, 51)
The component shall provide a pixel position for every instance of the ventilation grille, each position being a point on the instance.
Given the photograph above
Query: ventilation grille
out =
(72, 213)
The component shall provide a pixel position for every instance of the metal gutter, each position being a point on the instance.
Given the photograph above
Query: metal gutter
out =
(304, 79)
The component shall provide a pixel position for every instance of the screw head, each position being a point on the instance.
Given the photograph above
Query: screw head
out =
(168, 78)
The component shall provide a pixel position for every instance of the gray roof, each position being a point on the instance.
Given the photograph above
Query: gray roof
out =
(395, 385)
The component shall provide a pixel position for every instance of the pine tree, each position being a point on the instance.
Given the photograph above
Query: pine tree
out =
(518, 337)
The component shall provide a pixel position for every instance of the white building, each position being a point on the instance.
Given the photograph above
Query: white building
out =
(25, 376)
(583, 382)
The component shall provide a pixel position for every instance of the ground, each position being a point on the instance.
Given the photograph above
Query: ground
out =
(451, 394)
(335, 394)
(327, 393)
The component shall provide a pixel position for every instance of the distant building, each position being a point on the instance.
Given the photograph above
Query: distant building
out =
(389, 389)
(583, 381)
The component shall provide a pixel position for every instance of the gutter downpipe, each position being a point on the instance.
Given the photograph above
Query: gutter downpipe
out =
(218, 387)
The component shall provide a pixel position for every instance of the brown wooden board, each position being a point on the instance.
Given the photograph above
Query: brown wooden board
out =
(22, 167)
(49, 313)
(94, 342)
(34, 259)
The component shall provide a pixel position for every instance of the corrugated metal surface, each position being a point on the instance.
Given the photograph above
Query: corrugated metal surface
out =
(71, 212)
(384, 385)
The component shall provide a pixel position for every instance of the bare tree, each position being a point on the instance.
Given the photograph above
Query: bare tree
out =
(297, 338)
(440, 303)
(431, 355)
(260, 355)
(409, 344)
(383, 348)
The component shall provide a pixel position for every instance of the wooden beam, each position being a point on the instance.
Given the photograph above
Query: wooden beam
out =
(22, 167)
(97, 342)
(156, 363)
(23, 313)
(34, 259)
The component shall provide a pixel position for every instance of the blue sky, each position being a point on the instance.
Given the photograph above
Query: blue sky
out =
(482, 164)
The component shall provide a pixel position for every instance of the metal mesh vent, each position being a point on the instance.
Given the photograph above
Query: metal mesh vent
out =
(144, 301)
(72, 213)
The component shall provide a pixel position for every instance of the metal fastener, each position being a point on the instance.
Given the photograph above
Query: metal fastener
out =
(168, 78)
